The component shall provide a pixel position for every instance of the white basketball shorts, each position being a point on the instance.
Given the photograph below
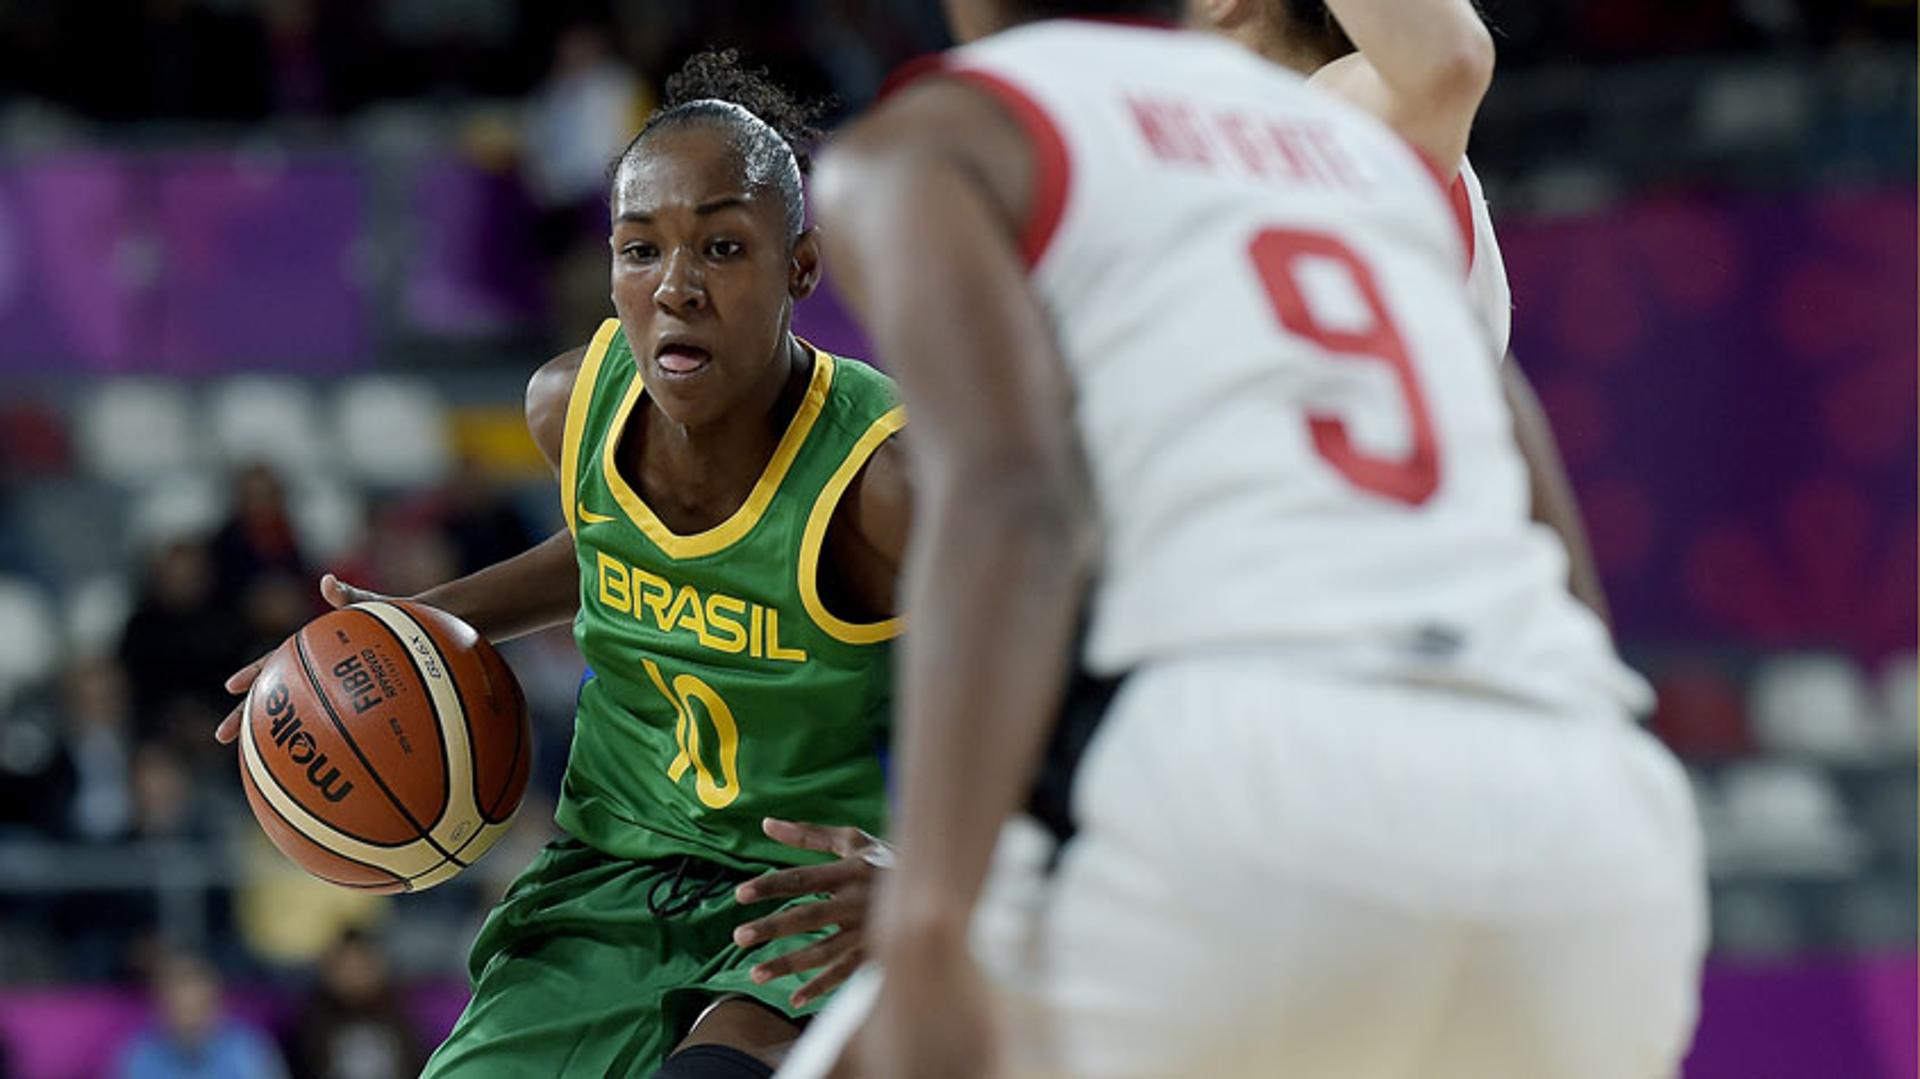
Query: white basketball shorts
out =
(1278, 874)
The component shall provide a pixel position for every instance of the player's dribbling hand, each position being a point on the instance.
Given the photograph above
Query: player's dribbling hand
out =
(337, 593)
(847, 885)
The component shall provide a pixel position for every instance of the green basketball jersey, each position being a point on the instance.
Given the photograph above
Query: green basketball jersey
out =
(722, 689)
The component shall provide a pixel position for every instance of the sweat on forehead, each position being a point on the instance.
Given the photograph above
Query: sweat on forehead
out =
(764, 159)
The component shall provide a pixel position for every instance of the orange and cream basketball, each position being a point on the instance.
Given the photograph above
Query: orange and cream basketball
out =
(386, 746)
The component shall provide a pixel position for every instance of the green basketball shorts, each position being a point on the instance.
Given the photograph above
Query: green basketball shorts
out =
(596, 966)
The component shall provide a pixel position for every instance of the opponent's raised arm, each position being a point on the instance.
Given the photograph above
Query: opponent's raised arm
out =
(1423, 66)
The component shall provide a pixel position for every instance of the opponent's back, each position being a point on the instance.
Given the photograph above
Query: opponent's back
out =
(1295, 435)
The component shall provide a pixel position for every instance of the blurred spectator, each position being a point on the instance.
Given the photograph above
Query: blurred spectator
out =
(167, 804)
(259, 539)
(844, 42)
(299, 71)
(64, 765)
(191, 1037)
(35, 776)
(180, 642)
(272, 606)
(481, 523)
(404, 551)
(353, 1026)
(578, 120)
(99, 751)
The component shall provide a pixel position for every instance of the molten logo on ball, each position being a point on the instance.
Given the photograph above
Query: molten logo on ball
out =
(299, 745)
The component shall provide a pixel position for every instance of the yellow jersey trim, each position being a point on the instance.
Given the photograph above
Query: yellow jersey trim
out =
(722, 535)
(813, 539)
(577, 404)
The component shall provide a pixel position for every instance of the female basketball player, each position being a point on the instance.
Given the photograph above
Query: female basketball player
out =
(1304, 36)
(1347, 659)
(736, 512)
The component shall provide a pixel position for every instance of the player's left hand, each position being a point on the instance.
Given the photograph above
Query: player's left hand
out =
(847, 887)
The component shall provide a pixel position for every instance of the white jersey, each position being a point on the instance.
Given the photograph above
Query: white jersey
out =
(1487, 275)
(1296, 441)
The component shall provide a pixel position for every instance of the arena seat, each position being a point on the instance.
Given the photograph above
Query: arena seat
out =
(392, 432)
(176, 506)
(73, 526)
(1873, 912)
(1889, 808)
(257, 418)
(31, 636)
(1813, 704)
(95, 614)
(1706, 798)
(131, 430)
(1784, 818)
(1755, 919)
(1900, 704)
(329, 515)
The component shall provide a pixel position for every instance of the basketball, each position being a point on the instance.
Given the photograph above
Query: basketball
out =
(385, 746)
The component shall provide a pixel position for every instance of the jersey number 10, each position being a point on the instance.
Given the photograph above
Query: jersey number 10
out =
(715, 793)
(1276, 257)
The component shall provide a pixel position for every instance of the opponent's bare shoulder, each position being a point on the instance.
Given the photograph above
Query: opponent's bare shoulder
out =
(548, 392)
(938, 120)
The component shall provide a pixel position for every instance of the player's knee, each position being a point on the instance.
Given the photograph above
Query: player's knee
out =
(711, 1061)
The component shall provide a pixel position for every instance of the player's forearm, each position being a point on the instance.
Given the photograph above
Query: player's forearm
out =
(1435, 60)
(992, 593)
(538, 588)
(1554, 504)
(1419, 45)
(994, 565)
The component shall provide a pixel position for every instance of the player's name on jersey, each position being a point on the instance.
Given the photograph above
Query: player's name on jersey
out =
(717, 621)
(1290, 150)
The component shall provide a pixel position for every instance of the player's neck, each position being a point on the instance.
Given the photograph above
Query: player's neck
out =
(710, 468)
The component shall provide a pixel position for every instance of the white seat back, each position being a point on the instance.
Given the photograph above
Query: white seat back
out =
(257, 418)
(392, 432)
(131, 430)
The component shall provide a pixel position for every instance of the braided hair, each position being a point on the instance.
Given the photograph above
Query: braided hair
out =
(771, 129)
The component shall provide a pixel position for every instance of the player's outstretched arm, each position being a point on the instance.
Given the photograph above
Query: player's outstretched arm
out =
(532, 590)
(919, 204)
(1554, 504)
(538, 588)
(1423, 67)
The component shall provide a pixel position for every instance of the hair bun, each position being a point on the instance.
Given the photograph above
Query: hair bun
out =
(719, 74)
